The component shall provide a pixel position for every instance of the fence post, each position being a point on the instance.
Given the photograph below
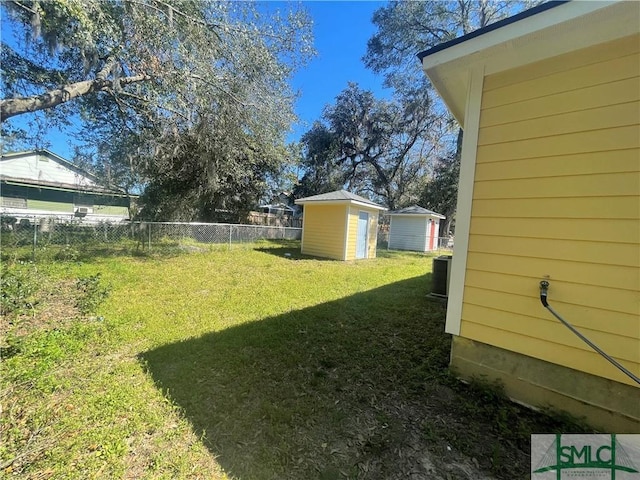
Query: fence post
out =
(149, 229)
(230, 227)
(35, 239)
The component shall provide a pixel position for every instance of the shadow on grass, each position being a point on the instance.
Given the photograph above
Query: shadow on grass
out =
(314, 392)
(291, 249)
(287, 249)
(353, 388)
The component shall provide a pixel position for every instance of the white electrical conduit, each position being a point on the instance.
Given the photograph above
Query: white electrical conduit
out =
(544, 288)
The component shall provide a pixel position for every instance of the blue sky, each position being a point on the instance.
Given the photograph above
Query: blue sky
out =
(341, 30)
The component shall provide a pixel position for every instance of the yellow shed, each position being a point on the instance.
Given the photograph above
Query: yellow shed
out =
(549, 101)
(339, 225)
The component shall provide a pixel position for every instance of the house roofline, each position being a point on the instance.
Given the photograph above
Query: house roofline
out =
(494, 26)
(89, 190)
(432, 214)
(556, 31)
(48, 153)
(339, 197)
(371, 206)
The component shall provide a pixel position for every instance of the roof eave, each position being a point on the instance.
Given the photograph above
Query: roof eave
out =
(489, 28)
(371, 206)
(525, 38)
(89, 189)
(434, 215)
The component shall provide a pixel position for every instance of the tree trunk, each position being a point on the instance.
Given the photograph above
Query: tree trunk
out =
(459, 145)
(445, 227)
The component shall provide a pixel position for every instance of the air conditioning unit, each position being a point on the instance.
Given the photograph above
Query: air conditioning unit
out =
(81, 211)
(441, 276)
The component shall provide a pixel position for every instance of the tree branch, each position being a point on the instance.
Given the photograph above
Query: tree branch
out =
(16, 106)
(18, 4)
(145, 100)
(223, 90)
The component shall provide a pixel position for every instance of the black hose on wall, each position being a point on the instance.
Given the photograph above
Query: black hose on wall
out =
(544, 289)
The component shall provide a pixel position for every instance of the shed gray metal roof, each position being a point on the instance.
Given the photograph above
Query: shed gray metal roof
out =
(416, 210)
(339, 196)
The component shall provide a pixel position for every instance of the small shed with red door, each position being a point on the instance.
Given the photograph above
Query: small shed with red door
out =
(414, 228)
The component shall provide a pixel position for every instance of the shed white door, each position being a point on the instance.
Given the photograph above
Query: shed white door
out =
(363, 234)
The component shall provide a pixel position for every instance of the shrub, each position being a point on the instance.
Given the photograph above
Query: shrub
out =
(18, 286)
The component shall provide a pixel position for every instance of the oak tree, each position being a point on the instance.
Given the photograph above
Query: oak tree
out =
(405, 28)
(160, 88)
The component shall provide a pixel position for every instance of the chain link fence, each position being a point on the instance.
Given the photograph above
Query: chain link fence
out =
(40, 233)
(47, 231)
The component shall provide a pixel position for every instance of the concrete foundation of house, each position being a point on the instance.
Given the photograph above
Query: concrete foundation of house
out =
(606, 405)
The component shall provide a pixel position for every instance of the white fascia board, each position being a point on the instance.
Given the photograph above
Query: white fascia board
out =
(465, 200)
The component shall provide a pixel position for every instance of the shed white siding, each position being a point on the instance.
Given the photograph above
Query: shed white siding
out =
(408, 233)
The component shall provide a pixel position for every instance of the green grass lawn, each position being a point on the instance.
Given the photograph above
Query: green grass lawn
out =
(243, 363)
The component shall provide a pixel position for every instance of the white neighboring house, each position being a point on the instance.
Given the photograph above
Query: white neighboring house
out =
(414, 228)
(40, 184)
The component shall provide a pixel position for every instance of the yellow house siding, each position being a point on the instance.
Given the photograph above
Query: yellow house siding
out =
(605, 140)
(558, 249)
(593, 296)
(591, 56)
(538, 264)
(591, 97)
(557, 193)
(324, 230)
(353, 233)
(551, 352)
(598, 118)
(558, 166)
(564, 73)
(615, 207)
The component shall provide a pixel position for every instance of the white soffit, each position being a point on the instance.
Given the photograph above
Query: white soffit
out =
(565, 28)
